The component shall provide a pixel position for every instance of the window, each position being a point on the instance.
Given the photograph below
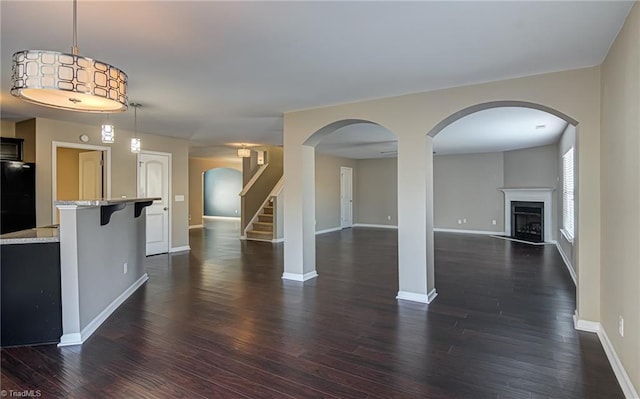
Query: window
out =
(567, 195)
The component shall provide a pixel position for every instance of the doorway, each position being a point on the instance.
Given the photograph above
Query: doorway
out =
(346, 197)
(79, 171)
(154, 180)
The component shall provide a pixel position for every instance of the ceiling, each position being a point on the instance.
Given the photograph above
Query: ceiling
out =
(223, 72)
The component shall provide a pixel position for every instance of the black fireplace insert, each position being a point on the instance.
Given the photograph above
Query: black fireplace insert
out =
(527, 220)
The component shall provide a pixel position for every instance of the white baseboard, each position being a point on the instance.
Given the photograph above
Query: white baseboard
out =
(196, 226)
(483, 232)
(299, 277)
(567, 263)
(431, 295)
(221, 217)
(331, 230)
(376, 226)
(70, 339)
(621, 374)
(412, 296)
(77, 339)
(180, 249)
(618, 369)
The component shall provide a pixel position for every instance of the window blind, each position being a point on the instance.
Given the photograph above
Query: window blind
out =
(567, 194)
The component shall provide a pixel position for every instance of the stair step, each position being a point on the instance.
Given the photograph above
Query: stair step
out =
(268, 210)
(265, 218)
(263, 226)
(262, 235)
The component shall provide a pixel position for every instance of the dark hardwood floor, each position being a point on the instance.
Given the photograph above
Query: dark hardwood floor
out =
(219, 322)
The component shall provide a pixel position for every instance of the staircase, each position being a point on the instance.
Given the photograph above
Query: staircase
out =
(262, 228)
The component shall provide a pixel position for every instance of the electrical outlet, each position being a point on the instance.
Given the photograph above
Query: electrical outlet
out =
(621, 326)
(494, 222)
(124, 268)
(459, 221)
(464, 220)
(388, 217)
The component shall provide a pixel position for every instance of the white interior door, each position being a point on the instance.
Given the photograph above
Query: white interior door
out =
(346, 197)
(153, 181)
(90, 179)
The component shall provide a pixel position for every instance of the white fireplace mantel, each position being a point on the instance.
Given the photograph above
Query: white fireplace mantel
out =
(538, 194)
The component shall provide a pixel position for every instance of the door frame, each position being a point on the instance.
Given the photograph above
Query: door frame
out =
(54, 169)
(168, 155)
(342, 169)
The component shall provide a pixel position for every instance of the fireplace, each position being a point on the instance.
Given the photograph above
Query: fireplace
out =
(537, 200)
(527, 220)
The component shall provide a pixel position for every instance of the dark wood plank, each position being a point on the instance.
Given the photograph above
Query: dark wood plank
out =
(219, 322)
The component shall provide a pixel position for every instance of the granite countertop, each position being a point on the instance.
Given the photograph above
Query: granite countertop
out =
(31, 236)
(105, 201)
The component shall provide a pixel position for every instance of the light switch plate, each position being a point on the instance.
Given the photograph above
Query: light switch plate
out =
(179, 198)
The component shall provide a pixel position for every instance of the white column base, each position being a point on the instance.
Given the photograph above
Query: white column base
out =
(299, 277)
(415, 297)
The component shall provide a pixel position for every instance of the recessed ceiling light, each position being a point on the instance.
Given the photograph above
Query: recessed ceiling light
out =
(540, 126)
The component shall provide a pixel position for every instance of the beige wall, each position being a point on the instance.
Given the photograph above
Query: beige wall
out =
(620, 195)
(7, 128)
(197, 166)
(328, 190)
(376, 187)
(466, 187)
(123, 168)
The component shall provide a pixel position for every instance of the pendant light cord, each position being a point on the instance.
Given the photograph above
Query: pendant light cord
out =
(74, 50)
(135, 121)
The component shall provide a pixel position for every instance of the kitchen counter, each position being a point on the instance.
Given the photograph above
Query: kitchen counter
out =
(105, 201)
(31, 236)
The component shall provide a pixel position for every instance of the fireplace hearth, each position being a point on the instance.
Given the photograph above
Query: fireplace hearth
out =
(527, 220)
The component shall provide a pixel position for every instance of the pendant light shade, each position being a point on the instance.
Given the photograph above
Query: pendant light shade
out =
(136, 143)
(244, 152)
(108, 134)
(68, 81)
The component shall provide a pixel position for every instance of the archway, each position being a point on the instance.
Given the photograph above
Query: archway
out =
(303, 246)
(565, 132)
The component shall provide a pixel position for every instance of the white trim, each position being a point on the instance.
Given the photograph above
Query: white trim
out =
(618, 369)
(483, 232)
(196, 226)
(70, 339)
(331, 230)
(253, 179)
(413, 297)
(567, 236)
(54, 168)
(299, 277)
(77, 339)
(276, 240)
(180, 249)
(431, 295)
(567, 263)
(221, 217)
(376, 226)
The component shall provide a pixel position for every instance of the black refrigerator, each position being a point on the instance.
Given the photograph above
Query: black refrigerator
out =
(18, 196)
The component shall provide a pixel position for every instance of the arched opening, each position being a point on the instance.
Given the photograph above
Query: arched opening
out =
(324, 158)
(503, 169)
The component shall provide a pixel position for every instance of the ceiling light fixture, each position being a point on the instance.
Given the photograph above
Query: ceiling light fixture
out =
(68, 81)
(244, 152)
(136, 144)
